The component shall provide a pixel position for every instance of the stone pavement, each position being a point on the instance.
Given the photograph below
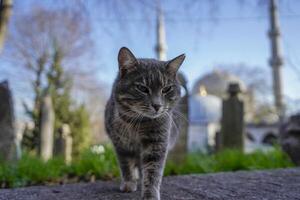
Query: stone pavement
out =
(256, 185)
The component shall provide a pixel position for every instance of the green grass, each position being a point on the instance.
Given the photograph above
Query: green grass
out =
(30, 170)
(102, 166)
(229, 160)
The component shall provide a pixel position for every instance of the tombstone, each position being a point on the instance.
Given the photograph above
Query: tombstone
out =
(232, 123)
(63, 144)
(20, 127)
(47, 128)
(218, 142)
(179, 151)
(7, 123)
(290, 138)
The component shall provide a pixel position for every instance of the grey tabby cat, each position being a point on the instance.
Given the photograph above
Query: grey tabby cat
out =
(139, 119)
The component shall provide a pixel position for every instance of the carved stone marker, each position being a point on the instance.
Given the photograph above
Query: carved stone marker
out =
(47, 128)
(63, 144)
(232, 124)
(290, 138)
(7, 123)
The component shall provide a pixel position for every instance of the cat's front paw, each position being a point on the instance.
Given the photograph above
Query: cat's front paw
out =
(128, 186)
(150, 195)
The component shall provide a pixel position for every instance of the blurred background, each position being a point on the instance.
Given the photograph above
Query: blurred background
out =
(58, 59)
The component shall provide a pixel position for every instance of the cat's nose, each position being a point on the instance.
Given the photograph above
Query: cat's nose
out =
(156, 107)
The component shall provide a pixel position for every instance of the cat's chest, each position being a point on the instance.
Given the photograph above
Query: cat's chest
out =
(127, 133)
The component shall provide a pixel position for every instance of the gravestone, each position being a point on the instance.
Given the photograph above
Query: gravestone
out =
(47, 128)
(232, 123)
(179, 151)
(290, 138)
(63, 144)
(7, 123)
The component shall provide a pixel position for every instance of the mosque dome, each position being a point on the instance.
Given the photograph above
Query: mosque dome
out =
(216, 83)
(204, 108)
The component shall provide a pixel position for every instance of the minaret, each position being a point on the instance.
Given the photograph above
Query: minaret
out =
(276, 59)
(161, 45)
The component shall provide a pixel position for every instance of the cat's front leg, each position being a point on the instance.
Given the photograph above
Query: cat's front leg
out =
(153, 156)
(127, 164)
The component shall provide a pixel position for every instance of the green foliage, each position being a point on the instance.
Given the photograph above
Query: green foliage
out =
(60, 89)
(59, 86)
(30, 137)
(103, 166)
(80, 129)
(77, 118)
(89, 165)
(31, 170)
(229, 160)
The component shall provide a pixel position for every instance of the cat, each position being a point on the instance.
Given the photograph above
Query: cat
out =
(139, 119)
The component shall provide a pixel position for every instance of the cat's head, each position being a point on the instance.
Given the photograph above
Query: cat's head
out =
(147, 87)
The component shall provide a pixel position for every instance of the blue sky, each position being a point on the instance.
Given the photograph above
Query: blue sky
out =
(238, 35)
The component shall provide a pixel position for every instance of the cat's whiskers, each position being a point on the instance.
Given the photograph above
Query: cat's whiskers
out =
(177, 113)
(127, 126)
(131, 127)
(172, 121)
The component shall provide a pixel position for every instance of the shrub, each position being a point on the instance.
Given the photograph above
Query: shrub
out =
(91, 165)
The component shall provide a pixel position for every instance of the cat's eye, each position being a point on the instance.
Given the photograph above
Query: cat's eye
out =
(167, 89)
(142, 89)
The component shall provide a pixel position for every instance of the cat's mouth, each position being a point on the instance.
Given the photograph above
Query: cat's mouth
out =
(150, 113)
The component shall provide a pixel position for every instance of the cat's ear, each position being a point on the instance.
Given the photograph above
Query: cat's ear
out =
(174, 64)
(127, 61)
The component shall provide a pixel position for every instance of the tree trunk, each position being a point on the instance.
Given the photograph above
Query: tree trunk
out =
(5, 13)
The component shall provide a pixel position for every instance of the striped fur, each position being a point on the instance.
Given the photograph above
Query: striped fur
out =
(139, 119)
